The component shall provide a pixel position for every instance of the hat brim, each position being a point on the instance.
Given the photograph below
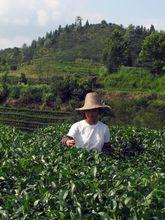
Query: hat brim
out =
(93, 107)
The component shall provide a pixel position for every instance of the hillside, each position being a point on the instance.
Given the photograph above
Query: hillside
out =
(136, 97)
(76, 41)
(56, 71)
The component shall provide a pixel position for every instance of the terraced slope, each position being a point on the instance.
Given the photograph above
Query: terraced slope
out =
(29, 119)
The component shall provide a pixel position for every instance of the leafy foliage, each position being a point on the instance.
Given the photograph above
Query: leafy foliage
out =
(114, 54)
(85, 42)
(70, 88)
(153, 52)
(40, 178)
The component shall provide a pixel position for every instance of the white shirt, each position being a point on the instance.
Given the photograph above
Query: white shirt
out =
(89, 136)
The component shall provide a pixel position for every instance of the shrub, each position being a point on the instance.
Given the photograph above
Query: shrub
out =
(25, 94)
(14, 91)
(158, 105)
(48, 97)
(3, 92)
(70, 88)
(33, 93)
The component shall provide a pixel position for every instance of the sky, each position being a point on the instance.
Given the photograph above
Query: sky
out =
(22, 21)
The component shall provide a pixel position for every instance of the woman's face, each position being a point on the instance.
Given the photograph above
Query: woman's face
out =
(92, 115)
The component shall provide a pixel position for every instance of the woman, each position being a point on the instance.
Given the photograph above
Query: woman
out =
(90, 133)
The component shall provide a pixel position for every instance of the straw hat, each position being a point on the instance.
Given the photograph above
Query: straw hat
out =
(92, 101)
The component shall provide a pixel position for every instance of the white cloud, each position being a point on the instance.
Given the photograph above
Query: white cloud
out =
(13, 13)
(55, 15)
(23, 21)
(49, 11)
(52, 4)
(3, 8)
(16, 41)
(42, 17)
(23, 12)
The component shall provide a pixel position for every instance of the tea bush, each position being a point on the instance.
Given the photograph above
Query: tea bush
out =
(42, 179)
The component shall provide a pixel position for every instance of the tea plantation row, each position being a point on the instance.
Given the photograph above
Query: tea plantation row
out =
(42, 179)
(30, 119)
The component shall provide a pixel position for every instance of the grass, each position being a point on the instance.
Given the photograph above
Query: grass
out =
(131, 79)
(42, 68)
(42, 71)
(127, 79)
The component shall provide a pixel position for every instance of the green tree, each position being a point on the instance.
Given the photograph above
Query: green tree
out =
(152, 54)
(78, 21)
(47, 43)
(113, 56)
(70, 88)
(87, 24)
(27, 54)
(104, 23)
(4, 91)
(134, 36)
(15, 58)
(152, 29)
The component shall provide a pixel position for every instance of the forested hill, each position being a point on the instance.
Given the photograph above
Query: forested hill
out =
(103, 43)
(56, 71)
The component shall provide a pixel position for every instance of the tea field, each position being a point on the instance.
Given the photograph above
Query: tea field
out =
(42, 179)
(29, 119)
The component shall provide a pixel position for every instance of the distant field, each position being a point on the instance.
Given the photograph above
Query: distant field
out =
(44, 67)
(29, 119)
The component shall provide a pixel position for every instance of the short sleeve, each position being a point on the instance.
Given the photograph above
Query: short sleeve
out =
(73, 131)
(107, 135)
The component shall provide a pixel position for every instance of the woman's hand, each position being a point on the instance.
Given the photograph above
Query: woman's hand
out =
(70, 143)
